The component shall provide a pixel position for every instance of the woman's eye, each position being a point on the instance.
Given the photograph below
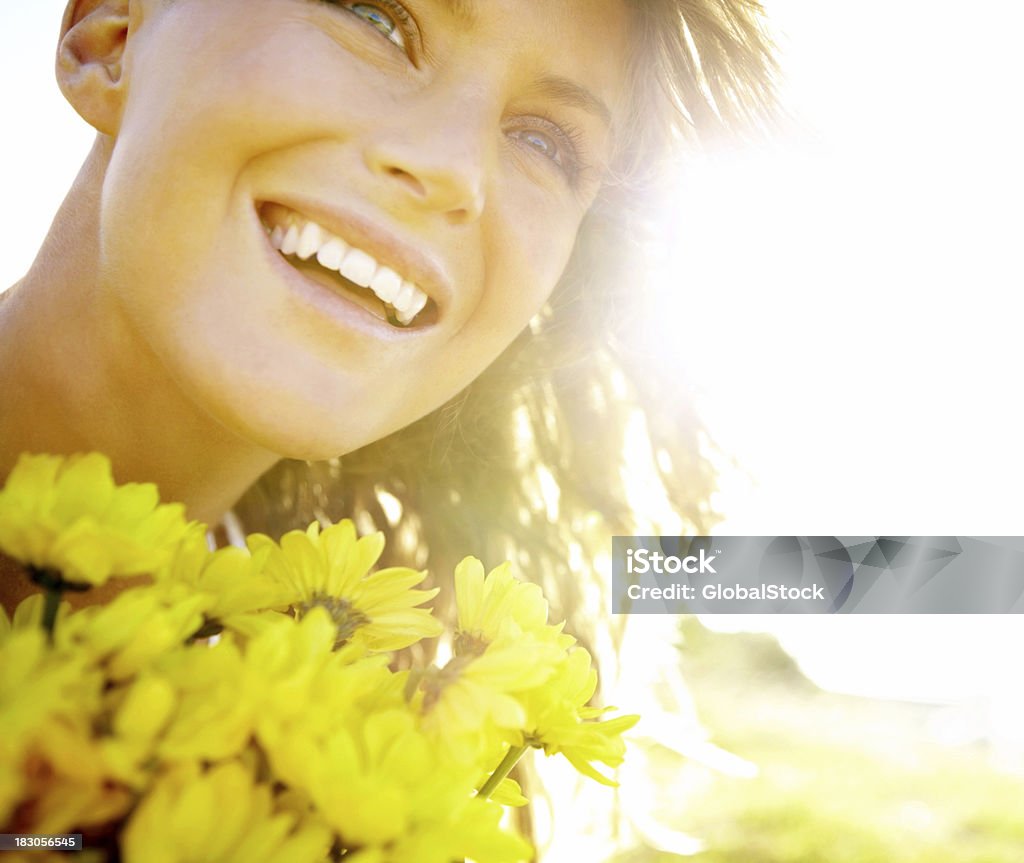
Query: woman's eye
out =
(381, 19)
(558, 143)
(541, 142)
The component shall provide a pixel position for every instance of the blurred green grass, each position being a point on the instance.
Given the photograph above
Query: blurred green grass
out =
(841, 779)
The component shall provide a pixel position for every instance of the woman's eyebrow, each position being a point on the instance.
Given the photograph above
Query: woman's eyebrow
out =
(569, 92)
(463, 10)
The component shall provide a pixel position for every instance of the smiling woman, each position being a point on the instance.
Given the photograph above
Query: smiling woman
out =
(376, 260)
(425, 150)
(379, 254)
(324, 220)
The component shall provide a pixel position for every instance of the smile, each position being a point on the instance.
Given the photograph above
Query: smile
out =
(344, 268)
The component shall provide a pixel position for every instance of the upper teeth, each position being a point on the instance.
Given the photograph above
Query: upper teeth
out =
(304, 239)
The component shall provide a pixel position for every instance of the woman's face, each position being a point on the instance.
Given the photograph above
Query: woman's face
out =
(439, 150)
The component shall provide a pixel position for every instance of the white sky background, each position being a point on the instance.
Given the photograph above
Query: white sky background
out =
(850, 306)
(860, 295)
(849, 303)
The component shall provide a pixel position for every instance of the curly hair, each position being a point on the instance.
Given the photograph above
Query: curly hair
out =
(527, 462)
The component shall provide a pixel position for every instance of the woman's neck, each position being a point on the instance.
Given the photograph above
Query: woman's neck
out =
(76, 377)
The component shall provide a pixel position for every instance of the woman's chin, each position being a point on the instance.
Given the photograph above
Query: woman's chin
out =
(286, 427)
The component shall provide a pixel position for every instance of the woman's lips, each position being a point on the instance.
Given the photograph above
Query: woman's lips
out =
(342, 267)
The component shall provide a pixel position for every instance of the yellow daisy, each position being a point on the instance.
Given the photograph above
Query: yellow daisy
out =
(233, 580)
(66, 516)
(220, 815)
(48, 704)
(136, 627)
(330, 569)
(498, 606)
(560, 722)
(503, 647)
(401, 799)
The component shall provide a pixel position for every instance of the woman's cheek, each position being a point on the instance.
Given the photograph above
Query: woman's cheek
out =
(532, 250)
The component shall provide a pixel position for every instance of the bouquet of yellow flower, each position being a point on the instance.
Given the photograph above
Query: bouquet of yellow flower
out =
(240, 704)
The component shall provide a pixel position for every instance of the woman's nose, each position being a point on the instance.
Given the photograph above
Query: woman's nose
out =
(434, 160)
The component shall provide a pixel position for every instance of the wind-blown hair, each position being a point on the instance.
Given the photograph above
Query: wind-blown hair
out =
(527, 462)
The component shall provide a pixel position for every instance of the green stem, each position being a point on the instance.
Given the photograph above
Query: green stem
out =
(51, 605)
(501, 771)
(53, 586)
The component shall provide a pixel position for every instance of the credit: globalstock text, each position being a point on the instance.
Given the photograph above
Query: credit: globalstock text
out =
(721, 591)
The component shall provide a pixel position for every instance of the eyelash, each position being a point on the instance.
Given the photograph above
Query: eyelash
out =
(570, 142)
(404, 22)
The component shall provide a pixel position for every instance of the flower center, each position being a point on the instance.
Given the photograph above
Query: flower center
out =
(347, 618)
(465, 648)
(468, 644)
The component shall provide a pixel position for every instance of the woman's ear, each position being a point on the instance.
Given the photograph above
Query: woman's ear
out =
(89, 60)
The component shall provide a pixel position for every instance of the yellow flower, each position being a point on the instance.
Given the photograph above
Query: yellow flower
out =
(502, 625)
(34, 684)
(66, 514)
(498, 606)
(503, 647)
(560, 721)
(400, 799)
(215, 706)
(288, 738)
(310, 690)
(135, 628)
(472, 832)
(221, 815)
(141, 712)
(471, 705)
(330, 569)
(279, 687)
(70, 783)
(232, 578)
(35, 689)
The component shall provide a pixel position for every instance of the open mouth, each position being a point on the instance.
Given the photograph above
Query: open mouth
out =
(346, 270)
